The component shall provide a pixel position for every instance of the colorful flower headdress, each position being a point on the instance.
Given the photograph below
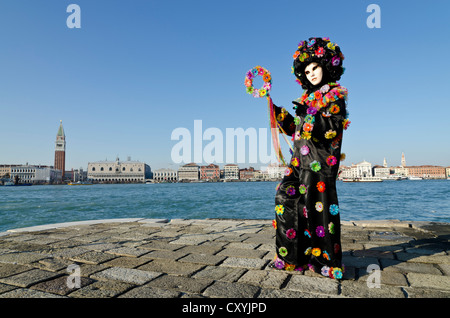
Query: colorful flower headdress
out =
(322, 51)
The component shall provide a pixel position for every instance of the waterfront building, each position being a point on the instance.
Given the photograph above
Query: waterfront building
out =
(447, 172)
(210, 172)
(247, 173)
(118, 171)
(189, 172)
(400, 171)
(231, 171)
(165, 175)
(60, 150)
(427, 171)
(381, 171)
(35, 174)
(5, 171)
(276, 171)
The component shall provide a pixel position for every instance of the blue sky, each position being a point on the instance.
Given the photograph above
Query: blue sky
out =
(137, 70)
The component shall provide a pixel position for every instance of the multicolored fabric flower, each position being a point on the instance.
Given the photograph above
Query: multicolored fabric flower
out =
(283, 251)
(291, 233)
(315, 166)
(337, 273)
(287, 172)
(330, 134)
(307, 127)
(307, 233)
(331, 160)
(335, 61)
(316, 251)
(326, 255)
(320, 231)
(308, 251)
(296, 120)
(295, 162)
(305, 212)
(290, 190)
(279, 263)
(346, 123)
(274, 224)
(334, 109)
(279, 209)
(297, 135)
(320, 52)
(331, 228)
(302, 189)
(321, 186)
(310, 119)
(319, 206)
(334, 209)
(304, 150)
(325, 271)
(289, 267)
(311, 111)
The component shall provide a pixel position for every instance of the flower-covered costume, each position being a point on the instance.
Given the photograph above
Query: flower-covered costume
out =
(307, 209)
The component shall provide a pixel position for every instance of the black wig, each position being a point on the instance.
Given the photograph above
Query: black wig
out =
(320, 50)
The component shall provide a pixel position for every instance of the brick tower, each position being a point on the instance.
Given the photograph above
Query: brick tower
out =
(60, 150)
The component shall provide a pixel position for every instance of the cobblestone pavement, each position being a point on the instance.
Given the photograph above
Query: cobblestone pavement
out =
(154, 258)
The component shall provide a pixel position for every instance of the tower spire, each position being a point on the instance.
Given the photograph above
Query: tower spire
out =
(60, 150)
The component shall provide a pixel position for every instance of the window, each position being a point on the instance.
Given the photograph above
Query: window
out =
(110, 169)
(93, 168)
(123, 169)
(101, 169)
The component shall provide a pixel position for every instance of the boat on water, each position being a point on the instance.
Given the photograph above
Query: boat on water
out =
(79, 183)
(362, 179)
(414, 178)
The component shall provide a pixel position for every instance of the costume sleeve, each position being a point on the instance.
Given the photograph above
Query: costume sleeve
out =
(285, 120)
(330, 124)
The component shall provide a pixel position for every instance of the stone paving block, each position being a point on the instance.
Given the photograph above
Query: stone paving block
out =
(128, 275)
(126, 262)
(171, 267)
(429, 281)
(226, 274)
(359, 262)
(359, 289)
(21, 257)
(264, 279)
(127, 251)
(283, 293)
(68, 252)
(12, 269)
(180, 283)
(202, 249)
(373, 253)
(161, 245)
(407, 267)
(60, 286)
(316, 285)
(418, 292)
(92, 257)
(205, 259)
(102, 289)
(242, 252)
(150, 292)
(431, 259)
(231, 290)
(52, 264)
(250, 263)
(172, 255)
(386, 278)
(28, 293)
(6, 288)
(28, 278)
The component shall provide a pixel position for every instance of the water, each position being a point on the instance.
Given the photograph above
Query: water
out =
(424, 200)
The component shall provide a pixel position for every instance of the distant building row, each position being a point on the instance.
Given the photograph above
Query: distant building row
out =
(365, 169)
(193, 172)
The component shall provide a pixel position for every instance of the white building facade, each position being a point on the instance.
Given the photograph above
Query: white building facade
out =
(165, 175)
(231, 172)
(118, 171)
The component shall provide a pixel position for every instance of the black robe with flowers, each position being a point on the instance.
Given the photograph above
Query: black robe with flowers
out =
(307, 210)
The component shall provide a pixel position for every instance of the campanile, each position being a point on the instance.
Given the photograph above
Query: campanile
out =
(60, 150)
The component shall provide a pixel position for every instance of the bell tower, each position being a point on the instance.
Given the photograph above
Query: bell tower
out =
(60, 150)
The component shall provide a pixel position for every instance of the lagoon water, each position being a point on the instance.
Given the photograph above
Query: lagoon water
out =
(407, 200)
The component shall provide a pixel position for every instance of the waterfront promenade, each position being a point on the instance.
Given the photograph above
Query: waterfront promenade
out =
(212, 258)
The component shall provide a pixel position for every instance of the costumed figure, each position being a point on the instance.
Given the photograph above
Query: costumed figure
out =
(307, 216)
